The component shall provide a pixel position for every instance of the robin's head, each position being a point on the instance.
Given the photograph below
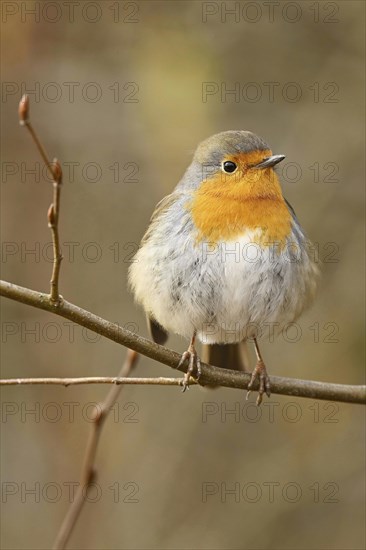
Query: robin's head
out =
(236, 157)
(232, 178)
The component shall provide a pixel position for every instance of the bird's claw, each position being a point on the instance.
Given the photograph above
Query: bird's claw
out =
(194, 365)
(260, 373)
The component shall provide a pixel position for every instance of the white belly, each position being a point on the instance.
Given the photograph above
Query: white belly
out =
(226, 292)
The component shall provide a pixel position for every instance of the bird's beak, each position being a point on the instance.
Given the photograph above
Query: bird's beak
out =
(270, 161)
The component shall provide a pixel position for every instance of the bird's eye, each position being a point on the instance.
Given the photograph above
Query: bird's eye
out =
(229, 167)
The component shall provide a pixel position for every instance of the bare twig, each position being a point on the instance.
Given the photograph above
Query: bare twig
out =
(88, 471)
(159, 381)
(53, 216)
(211, 375)
(23, 112)
(54, 209)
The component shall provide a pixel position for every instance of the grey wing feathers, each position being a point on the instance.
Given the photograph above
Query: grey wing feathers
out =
(291, 209)
(160, 209)
(157, 332)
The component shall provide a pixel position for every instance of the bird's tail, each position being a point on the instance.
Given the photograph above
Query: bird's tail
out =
(227, 356)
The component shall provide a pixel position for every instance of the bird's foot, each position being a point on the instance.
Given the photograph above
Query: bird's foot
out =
(260, 373)
(194, 366)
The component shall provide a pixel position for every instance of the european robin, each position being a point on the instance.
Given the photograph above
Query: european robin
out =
(224, 256)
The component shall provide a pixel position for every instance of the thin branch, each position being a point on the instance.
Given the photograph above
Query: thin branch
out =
(54, 209)
(211, 375)
(23, 112)
(159, 381)
(88, 472)
(53, 217)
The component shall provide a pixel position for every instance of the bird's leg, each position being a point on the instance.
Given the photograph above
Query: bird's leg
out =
(260, 373)
(193, 365)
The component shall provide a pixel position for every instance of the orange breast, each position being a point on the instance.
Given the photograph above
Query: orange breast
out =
(226, 206)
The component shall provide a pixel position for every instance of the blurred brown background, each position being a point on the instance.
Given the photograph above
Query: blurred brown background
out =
(137, 111)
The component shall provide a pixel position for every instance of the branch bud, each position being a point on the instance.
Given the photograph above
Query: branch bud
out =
(51, 216)
(57, 171)
(23, 110)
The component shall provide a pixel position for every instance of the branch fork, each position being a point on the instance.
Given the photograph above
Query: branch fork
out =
(55, 171)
